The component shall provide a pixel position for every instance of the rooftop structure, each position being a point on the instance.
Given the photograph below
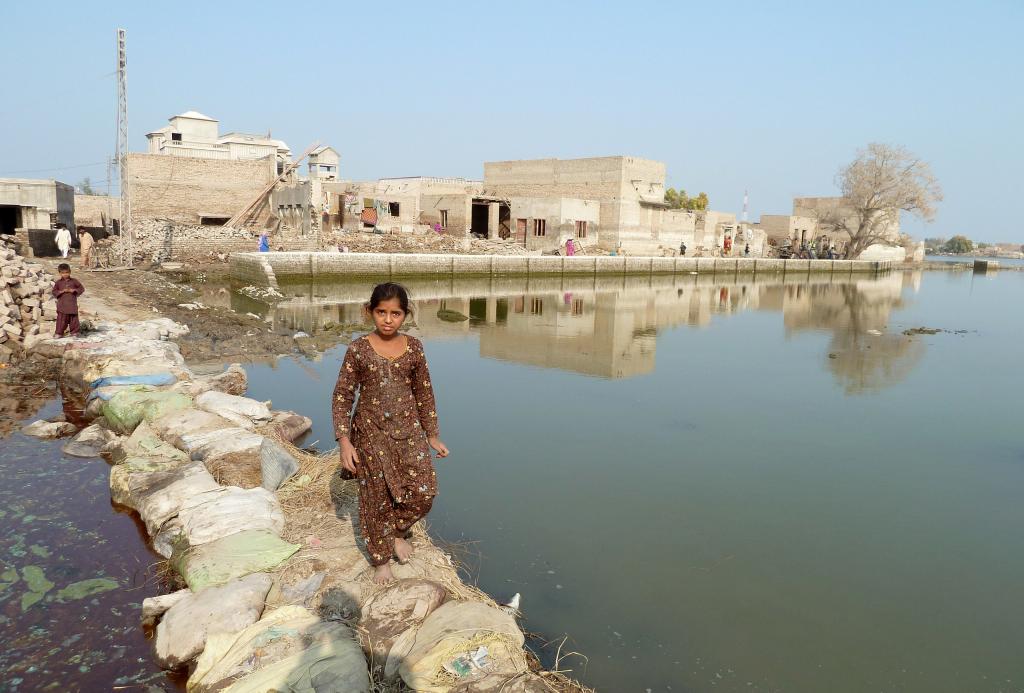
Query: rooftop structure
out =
(193, 134)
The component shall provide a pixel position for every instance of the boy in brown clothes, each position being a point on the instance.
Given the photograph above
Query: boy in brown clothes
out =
(66, 290)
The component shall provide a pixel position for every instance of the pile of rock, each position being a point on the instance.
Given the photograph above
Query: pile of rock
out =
(27, 308)
(425, 240)
(155, 238)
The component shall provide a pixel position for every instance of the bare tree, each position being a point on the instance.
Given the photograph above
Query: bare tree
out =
(880, 183)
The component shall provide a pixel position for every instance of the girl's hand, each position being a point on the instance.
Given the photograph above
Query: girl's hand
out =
(439, 446)
(349, 456)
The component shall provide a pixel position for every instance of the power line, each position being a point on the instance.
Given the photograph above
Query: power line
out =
(55, 168)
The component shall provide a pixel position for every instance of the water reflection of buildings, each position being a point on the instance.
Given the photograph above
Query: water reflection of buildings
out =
(607, 328)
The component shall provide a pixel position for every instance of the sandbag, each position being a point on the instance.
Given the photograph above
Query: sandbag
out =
(164, 501)
(90, 442)
(457, 628)
(137, 477)
(108, 392)
(213, 444)
(233, 380)
(155, 379)
(297, 652)
(185, 627)
(49, 429)
(230, 557)
(227, 510)
(233, 407)
(276, 464)
(398, 607)
(143, 442)
(290, 425)
(126, 409)
(187, 422)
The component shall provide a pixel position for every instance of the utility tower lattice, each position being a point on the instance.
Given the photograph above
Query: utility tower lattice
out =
(127, 232)
(746, 200)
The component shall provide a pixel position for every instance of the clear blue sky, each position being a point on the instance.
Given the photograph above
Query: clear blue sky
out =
(767, 96)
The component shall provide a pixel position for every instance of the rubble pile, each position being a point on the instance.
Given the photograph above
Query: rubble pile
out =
(154, 238)
(429, 242)
(27, 308)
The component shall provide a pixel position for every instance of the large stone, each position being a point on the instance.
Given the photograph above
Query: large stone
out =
(182, 633)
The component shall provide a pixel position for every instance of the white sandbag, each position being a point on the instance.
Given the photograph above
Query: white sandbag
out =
(143, 442)
(297, 652)
(162, 504)
(276, 464)
(153, 607)
(48, 430)
(89, 442)
(213, 444)
(187, 422)
(233, 407)
(457, 628)
(227, 510)
(230, 608)
(136, 477)
(233, 380)
(398, 607)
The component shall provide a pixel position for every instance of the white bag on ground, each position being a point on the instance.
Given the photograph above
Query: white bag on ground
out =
(182, 633)
(187, 422)
(234, 408)
(276, 464)
(297, 652)
(457, 628)
(213, 444)
(89, 442)
(229, 509)
(135, 478)
(160, 505)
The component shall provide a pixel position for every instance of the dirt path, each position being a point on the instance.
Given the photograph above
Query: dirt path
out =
(217, 334)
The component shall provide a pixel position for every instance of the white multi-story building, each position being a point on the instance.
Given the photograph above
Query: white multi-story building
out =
(192, 134)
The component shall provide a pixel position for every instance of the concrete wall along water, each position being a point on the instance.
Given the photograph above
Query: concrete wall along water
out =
(267, 269)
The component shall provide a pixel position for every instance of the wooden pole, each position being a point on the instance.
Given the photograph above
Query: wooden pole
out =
(270, 186)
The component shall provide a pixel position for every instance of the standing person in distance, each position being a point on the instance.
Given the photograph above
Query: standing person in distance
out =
(386, 443)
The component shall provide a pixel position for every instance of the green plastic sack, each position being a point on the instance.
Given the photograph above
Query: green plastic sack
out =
(234, 556)
(125, 410)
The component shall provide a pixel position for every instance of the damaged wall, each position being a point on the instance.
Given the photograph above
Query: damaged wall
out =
(185, 189)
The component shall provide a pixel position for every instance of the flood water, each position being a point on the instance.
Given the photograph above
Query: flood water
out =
(73, 575)
(722, 484)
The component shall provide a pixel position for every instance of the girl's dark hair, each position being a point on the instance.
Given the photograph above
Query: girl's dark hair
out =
(387, 291)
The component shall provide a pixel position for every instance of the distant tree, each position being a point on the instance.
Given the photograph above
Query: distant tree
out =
(959, 245)
(85, 187)
(982, 246)
(676, 200)
(880, 183)
(934, 243)
(699, 203)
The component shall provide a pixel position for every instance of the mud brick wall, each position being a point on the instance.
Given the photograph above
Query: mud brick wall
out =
(183, 189)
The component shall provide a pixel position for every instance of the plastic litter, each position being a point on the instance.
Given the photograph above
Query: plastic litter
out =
(231, 557)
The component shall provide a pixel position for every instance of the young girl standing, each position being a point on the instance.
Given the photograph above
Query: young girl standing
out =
(385, 445)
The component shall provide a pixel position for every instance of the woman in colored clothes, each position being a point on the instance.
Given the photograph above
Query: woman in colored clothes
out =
(570, 248)
(386, 444)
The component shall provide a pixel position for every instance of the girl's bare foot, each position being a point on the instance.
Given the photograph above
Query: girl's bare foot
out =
(382, 574)
(403, 549)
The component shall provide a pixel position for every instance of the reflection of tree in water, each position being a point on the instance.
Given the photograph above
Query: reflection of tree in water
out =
(860, 361)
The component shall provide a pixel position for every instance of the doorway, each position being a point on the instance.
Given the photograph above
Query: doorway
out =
(10, 218)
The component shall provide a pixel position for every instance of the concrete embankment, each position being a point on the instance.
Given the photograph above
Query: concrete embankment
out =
(277, 592)
(266, 269)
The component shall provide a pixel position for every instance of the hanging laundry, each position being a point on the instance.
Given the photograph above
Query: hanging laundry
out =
(369, 216)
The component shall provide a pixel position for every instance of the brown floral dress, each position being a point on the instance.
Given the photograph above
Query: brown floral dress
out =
(393, 418)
